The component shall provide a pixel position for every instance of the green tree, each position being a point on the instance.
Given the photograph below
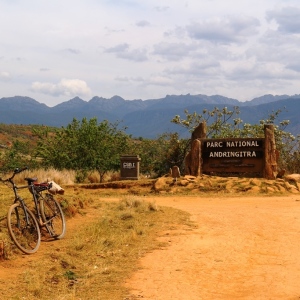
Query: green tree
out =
(83, 146)
(172, 151)
(146, 149)
(18, 155)
(220, 122)
(159, 155)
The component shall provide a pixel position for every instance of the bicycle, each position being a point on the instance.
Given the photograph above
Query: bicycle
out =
(25, 225)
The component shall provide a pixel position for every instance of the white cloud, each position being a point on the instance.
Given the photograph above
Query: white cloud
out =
(127, 48)
(118, 48)
(72, 51)
(66, 87)
(287, 18)
(162, 8)
(224, 30)
(173, 51)
(142, 23)
(5, 76)
(200, 69)
(122, 79)
(159, 80)
(123, 51)
(295, 66)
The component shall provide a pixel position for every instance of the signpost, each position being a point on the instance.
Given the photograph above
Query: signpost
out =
(130, 167)
(255, 157)
(232, 155)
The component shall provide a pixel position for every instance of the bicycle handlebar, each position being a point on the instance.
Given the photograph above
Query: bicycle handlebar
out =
(16, 171)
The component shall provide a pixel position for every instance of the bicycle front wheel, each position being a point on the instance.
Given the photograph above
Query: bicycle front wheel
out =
(23, 228)
(53, 216)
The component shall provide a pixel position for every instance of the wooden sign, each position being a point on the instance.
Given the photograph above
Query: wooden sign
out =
(232, 155)
(130, 167)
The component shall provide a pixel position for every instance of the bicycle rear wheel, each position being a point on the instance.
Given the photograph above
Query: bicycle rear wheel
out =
(53, 216)
(23, 228)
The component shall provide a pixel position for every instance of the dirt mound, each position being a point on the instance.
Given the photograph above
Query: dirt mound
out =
(202, 184)
(205, 183)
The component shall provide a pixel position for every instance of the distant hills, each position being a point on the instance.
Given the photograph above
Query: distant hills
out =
(146, 118)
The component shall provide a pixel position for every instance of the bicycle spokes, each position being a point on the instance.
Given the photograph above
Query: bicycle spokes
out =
(23, 228)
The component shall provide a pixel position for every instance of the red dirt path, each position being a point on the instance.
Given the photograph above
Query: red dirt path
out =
(243, 248)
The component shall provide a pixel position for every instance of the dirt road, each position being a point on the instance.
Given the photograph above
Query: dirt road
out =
(243, 248)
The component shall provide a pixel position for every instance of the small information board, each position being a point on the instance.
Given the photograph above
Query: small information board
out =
(130, 167)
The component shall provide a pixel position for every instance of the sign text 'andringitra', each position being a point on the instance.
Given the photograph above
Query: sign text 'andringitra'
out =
(232, 155)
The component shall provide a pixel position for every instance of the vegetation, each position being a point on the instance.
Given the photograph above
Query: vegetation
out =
(83, 146)
(17, 142)
(102, 249)
(87, 146)
(99, 255)
(159, 155)
(223, 123)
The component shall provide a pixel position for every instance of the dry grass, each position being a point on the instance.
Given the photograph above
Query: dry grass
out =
(62, 177)
(98, 254)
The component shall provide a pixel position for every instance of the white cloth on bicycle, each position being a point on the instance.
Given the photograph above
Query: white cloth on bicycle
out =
(55, 188)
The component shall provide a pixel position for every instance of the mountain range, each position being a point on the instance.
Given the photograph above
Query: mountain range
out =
(146, 118)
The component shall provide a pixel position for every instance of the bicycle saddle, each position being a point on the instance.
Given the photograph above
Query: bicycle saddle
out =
(31, 180)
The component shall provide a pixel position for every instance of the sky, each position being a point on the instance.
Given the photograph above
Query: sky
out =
(53, 51)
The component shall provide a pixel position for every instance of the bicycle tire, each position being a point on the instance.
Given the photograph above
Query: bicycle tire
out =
(53, 216)
(27, 237)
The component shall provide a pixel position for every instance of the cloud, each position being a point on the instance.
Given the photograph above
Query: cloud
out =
(173, 51)
(295, 66)
(178, 33)
(146, 49)
(159, 80)
(117, 49)
(199, 70)
(142, 23)
(161, 8)
(66, 87)
(287, 18)
(225, 30)
(5, 76)
(123, 51)
(271, 71)
(122, 79)
(72, 51)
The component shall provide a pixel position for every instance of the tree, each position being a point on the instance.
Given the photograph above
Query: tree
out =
(220, 122)
(172, 152)
(17, 155)
(159, 155)
(83, 146)
(223, 123)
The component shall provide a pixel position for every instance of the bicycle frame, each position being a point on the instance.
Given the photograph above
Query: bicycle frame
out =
(24, 225)
(19, 199)
(36, 205)
(35, 196)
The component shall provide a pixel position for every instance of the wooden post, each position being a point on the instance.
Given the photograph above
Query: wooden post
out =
(199, 132)
(270, 163)
(195, 158)
(193, 161)
(175, 173)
